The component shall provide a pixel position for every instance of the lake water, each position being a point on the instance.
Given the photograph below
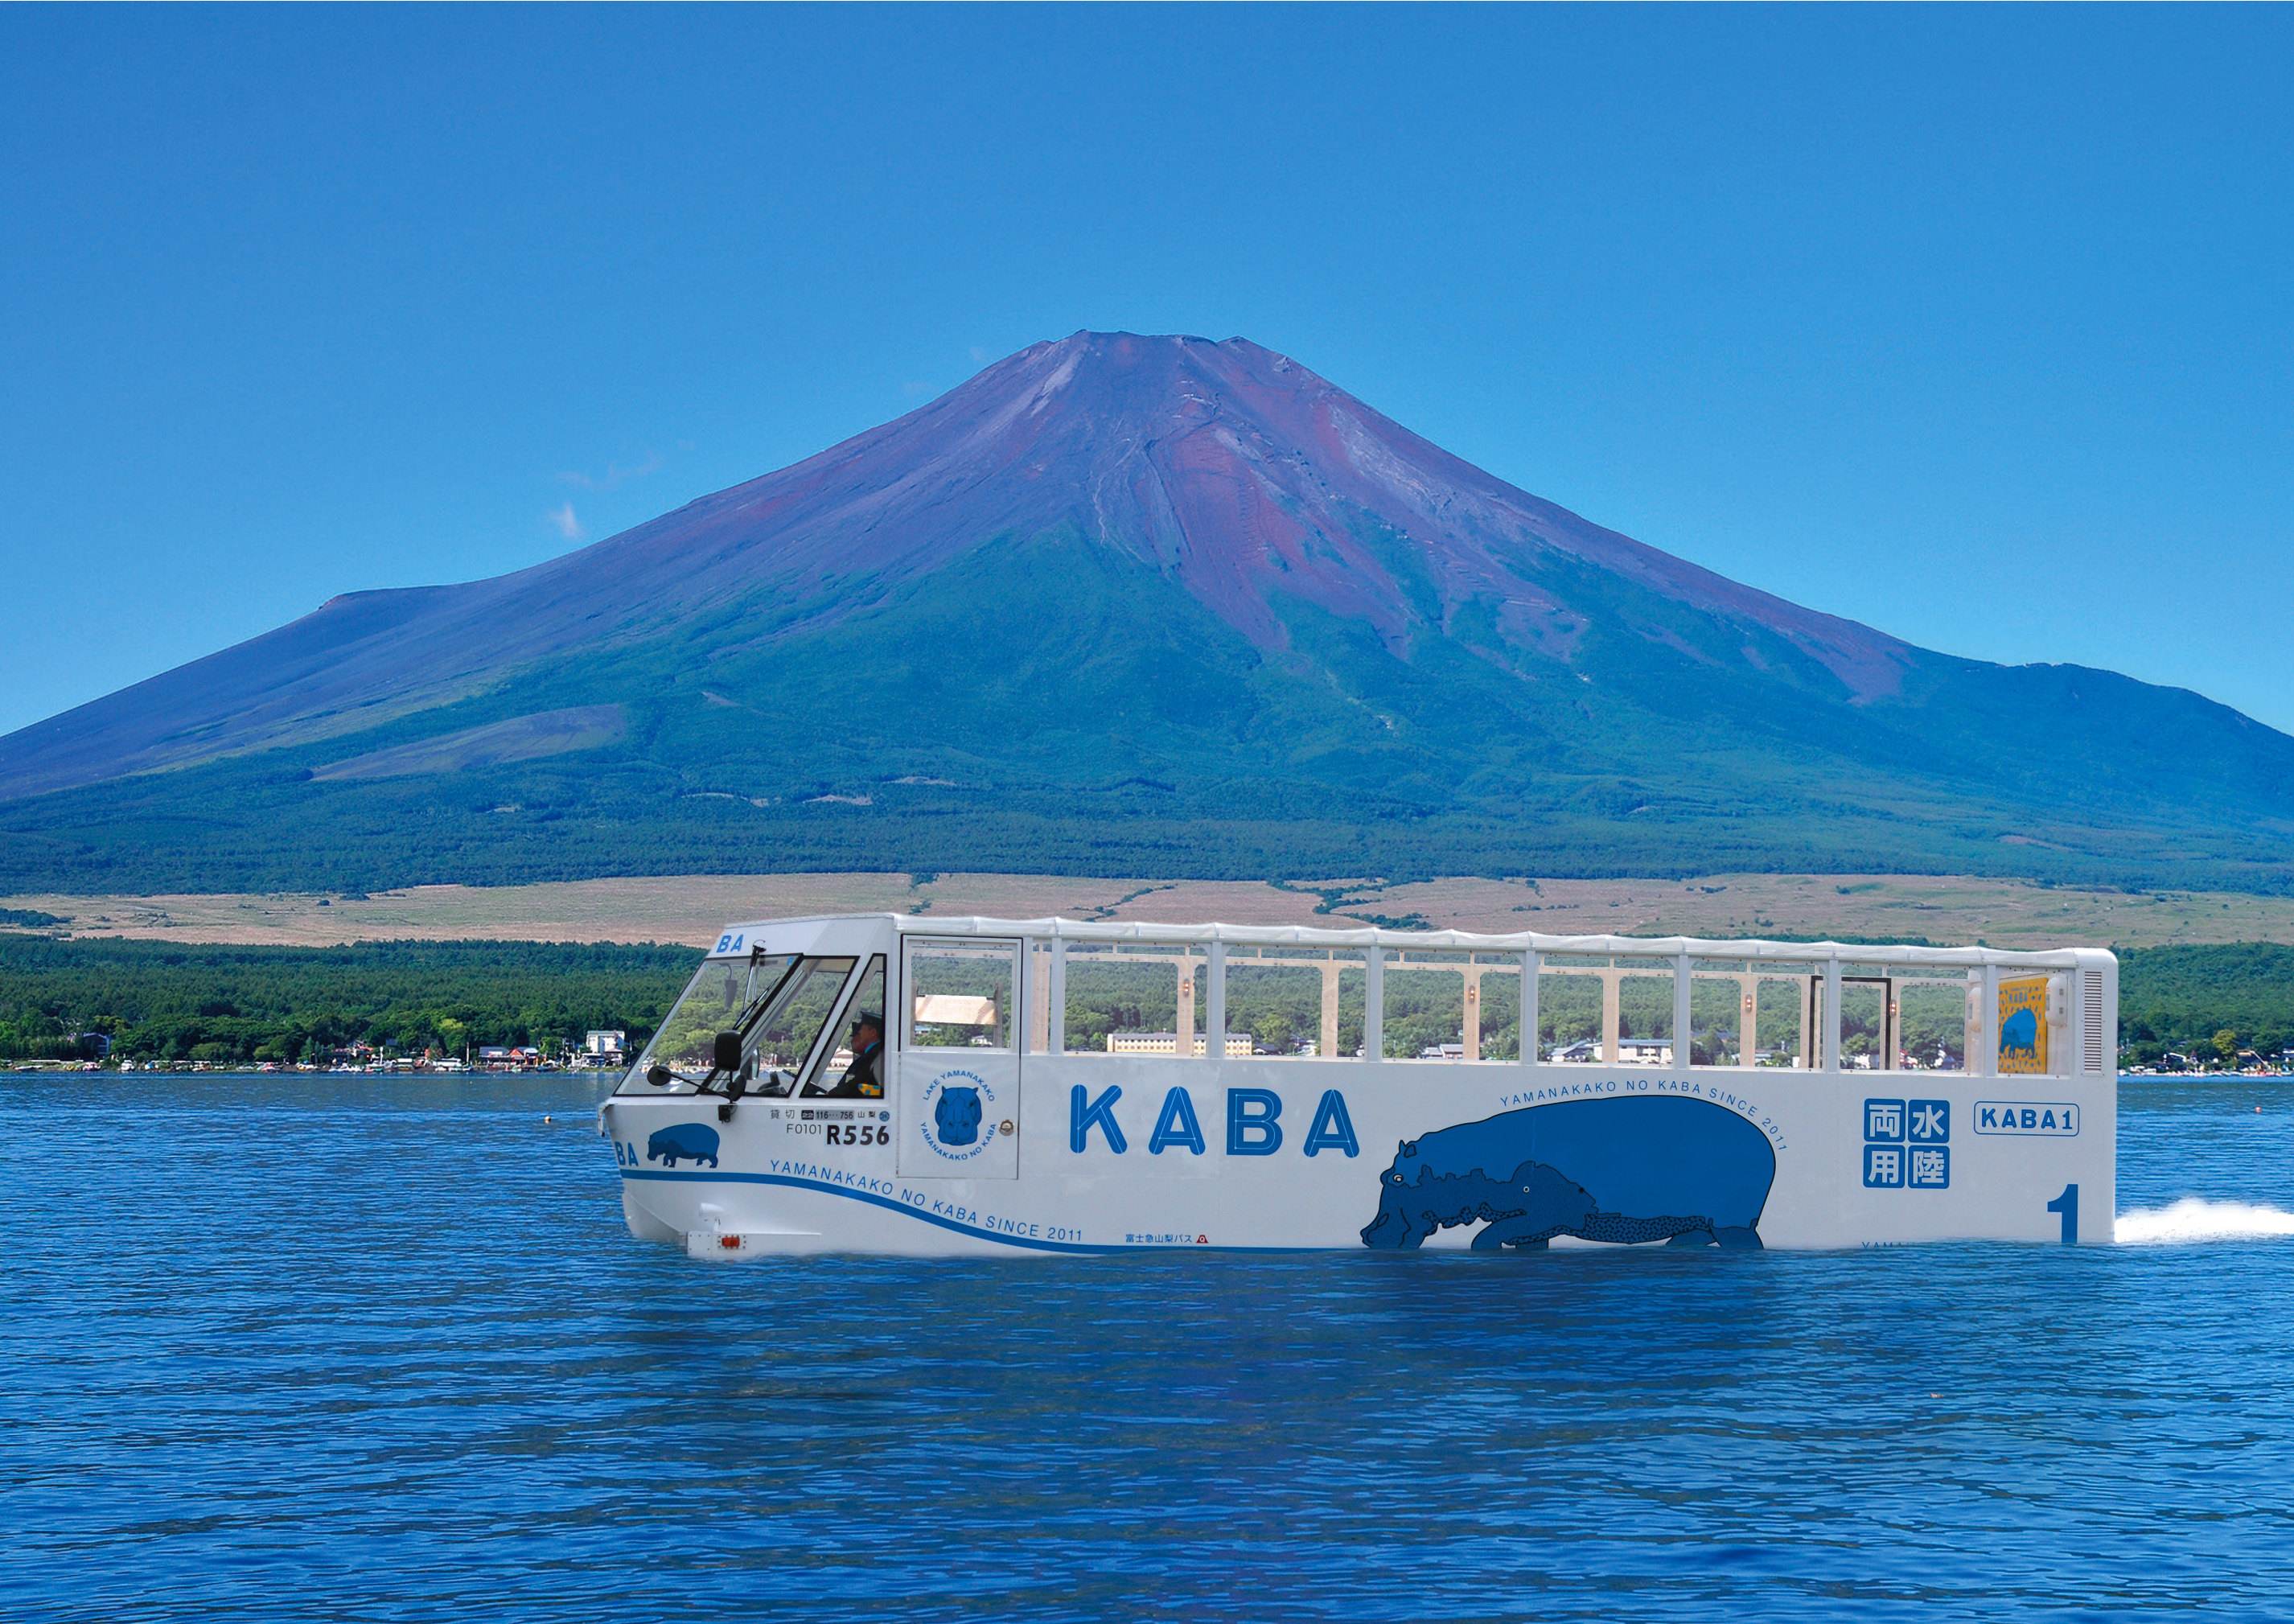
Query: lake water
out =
(381, 1349)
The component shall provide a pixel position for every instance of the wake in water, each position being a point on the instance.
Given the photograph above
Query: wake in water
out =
(2194, 1218)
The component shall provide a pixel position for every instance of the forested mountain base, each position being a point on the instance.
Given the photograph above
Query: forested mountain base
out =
(163, 1001)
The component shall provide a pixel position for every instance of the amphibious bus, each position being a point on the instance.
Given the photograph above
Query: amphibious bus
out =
(886, 1083)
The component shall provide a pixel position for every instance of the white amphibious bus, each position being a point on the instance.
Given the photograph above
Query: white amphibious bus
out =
(891, 1084)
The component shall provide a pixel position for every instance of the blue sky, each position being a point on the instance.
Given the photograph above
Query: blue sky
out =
(1973, 324)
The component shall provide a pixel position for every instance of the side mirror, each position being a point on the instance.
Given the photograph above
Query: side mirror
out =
(660, 1076)
(726, 1056)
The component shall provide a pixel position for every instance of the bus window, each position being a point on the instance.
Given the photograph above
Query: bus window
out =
(1720, 1012)
(1425, 1006)
(1931, 1024)
(854, 1068)
(1569, 1010)
(960, 994)
(1125, 998)
(1780, 1026)
(1295, 1003)
(1867, 1036)
(1644, 1012)
(1493, 1005)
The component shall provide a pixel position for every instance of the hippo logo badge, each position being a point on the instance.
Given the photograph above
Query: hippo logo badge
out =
(686, 1141)
(956, 1105)
(956, 1114)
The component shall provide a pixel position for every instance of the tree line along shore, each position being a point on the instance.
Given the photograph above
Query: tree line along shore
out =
(171, 1005)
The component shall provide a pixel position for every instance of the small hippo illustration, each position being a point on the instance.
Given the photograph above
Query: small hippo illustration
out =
(956, 1116)
(691, 1142)
(2018, 1035)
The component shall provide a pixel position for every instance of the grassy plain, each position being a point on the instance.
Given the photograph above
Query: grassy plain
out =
(691, 909)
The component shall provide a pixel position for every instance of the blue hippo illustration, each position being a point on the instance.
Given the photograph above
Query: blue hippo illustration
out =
(2019, 1035)
(692, 1141)
(1625, 1170)
(956, 1116)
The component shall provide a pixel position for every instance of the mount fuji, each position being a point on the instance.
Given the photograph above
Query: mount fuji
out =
(1124, 605)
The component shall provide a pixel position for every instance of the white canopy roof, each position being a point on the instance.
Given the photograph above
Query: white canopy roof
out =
(1524, 941)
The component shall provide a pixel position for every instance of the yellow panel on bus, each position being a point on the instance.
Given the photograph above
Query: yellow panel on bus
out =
(2023, 1027)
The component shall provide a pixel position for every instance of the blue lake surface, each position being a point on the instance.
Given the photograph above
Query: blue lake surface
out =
(381, 1349)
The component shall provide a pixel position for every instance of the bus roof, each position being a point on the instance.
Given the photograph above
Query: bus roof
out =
(755, 934)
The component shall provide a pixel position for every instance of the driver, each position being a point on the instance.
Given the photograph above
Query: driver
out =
(864, 1079)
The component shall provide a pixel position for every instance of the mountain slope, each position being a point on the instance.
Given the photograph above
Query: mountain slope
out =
(1158, 605)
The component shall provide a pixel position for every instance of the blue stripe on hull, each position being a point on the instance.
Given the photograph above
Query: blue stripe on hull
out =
(1024, 1242)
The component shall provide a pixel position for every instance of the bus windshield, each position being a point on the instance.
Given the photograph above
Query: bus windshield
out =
(778, 1005)
(722, 995)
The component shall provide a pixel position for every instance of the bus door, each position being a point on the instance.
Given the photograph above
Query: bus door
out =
(959, 1067)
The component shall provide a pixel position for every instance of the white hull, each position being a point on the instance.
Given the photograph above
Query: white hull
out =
(1577, 1155)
